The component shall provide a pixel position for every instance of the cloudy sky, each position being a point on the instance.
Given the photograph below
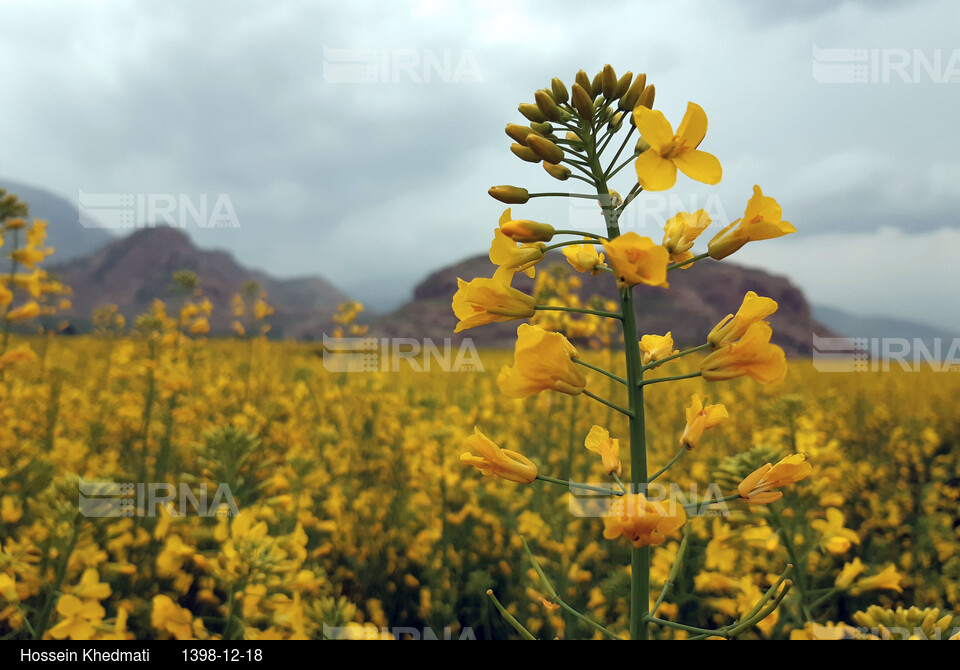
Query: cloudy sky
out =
(357, 140)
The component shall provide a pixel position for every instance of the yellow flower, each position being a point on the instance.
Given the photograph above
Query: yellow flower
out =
(637, 260)
(732, 327)
(24, 312)
(848, 573)
(656, 347)
(759, 487)
(17, 355)
(543, 360)
(513, 258)
(835, 538)
(641, 521)
(599, 441)
(521, 230)
(762, 220)
(700, 418)
(169, 617)
(680, 232)
(889, 580)
(657, 166)
(492, 460)
(6, 296)
(752, 355)
(261, 309)
(200, 326)
(484, 301)
(90, 586)
(584, 258)
(80, 617)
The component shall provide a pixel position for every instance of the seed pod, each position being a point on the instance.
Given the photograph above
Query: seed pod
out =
(608, 81)
(544, 148)
(525, 153)
(546, 105)
(511, 195)
(559, 89)
(561, 172)
(622, 85)
(532, 112)
(518, 133)
(629, 99)
(582, 101)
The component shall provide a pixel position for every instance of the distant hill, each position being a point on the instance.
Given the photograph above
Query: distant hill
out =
(851, 325)
(696, 300)
(64, 233)
(132, 271)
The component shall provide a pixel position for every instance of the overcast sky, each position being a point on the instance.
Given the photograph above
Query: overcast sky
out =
(372, 176)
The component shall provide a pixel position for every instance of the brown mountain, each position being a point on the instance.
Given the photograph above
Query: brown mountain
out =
(131, 272)
(696, 300)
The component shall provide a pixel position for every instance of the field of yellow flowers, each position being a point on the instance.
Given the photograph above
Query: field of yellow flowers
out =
(354, 508)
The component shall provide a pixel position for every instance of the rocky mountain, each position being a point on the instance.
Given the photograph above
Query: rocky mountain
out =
(132, 271)
(696, 300)
(65, 233)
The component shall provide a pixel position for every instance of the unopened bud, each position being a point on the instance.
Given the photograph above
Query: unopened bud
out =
(544, 129)
(525, 153)
(616, 122)
(596, 86)
(608, 81)
(642, 146)
(582, 101)
(561, 172)
(532, 112)
(575, 141)
(547, 105)
(544, 148)
(583, 80)
(526, 231)
(518, 133)
(559, 89)
(646, 98)
(623, 85)
(629, 99)
(511, 195)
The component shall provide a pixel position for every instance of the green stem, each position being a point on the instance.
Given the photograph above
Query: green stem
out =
(524, 633)
(685, 352)
(669, 379)
(572, 484)
(688, 263)
(581, 233)
(600, 370)
(609, 404)
(669, 465)
(674, 571)
(786, 534)
(578, 310)
(586, 196)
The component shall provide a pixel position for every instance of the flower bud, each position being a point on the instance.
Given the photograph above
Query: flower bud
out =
(646, 98)
(561, 172)
(575, 141)
(623, 85)
(596, 86)
(532, 112)
(511, 195)
(544, 129)
(518, 133)
(608, 81)
(616, 122)
(544, 148)
(642, 144)
(629, 99)
(582, 101)
(527, 231)
(525, 153)
(559, 89)
(546, 105)
(583, 80)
